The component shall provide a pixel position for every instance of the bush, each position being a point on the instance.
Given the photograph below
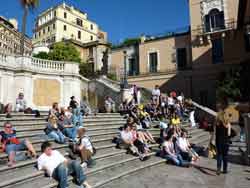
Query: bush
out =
(112, 76)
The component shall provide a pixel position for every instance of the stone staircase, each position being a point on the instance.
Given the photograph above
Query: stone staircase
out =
(111, 163)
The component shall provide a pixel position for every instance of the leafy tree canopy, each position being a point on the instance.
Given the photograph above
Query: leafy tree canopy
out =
(61, 52)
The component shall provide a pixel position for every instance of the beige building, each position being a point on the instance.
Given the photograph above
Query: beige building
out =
(154, 59)
(10, 38)
(219, 39)
(64, 22)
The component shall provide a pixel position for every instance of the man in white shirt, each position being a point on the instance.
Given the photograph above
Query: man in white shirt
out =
(57, 166)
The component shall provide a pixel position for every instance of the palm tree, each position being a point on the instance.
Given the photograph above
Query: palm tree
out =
(27, 5)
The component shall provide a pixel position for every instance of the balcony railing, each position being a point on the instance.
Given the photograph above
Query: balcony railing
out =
(37, 65)
(203, 30)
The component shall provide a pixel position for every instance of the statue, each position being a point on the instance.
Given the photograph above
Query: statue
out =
(105, 62)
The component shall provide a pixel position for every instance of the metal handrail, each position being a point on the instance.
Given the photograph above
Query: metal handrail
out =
(229, 25)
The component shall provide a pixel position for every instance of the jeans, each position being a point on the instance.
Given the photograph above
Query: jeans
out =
(70, 132)
(222, 156)
(186, 156)
(62, 171)
(57, 136)
(177, 160)
(242, 134)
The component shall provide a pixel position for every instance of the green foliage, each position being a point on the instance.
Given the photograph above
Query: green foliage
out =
(127, 42)
(86, 70)
(228, 85)
(41, 55)
(112, 76)
(61, 52)
(64, 52)
(131, 41)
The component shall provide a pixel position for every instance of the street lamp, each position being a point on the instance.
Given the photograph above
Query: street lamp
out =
(125, 81)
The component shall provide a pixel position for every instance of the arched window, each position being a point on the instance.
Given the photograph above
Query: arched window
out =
(214, 20)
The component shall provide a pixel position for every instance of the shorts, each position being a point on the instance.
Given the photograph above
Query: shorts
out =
(15, 147)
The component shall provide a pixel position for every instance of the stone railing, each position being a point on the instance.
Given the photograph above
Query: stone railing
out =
(38, 65)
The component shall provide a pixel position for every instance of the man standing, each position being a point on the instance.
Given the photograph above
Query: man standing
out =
(57, 166)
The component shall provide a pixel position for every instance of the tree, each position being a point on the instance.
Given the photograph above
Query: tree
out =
(27, 5)
(41, 55)
(64, 52)
(228, 85)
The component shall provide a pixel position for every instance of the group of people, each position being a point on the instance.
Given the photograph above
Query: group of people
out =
(65, 125)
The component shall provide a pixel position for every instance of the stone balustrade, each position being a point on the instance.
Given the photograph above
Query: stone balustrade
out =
(38, 65)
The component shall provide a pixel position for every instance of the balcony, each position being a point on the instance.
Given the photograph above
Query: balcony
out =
(204, 30)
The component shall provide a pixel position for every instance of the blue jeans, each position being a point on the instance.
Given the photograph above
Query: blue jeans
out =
(222, 156)
(178, 160)
(70, 132)
(15, 147)
(62, 171)
(57, 136)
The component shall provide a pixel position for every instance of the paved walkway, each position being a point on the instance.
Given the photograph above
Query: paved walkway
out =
(169, 176)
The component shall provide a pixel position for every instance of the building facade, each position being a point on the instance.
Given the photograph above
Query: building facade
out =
(65, 22)
(219, 40)
(153, 57)
(10, 38)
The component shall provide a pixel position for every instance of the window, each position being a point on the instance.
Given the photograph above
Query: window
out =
(132, 65)
(91, 37)
(44, 31)
(39, 33)
(214, 20)
(53, 39)
(247, 42)
(91, 27)
(79, 22)
(79, 34)
(48, 28)
(65, 27)
(35, 36)
(153, 62)
(65, 15)
(54, 26)
(54, 13)
(217, 51)
(181, 54)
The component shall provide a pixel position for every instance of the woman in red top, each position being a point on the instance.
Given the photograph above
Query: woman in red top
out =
(10, 144)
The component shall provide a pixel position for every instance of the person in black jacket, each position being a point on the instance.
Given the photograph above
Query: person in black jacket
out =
(222, 138)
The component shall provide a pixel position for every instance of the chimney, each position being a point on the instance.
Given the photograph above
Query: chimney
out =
(14, 22)
(143, 38)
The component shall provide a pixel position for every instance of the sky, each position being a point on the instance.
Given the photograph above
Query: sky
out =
(120, 18)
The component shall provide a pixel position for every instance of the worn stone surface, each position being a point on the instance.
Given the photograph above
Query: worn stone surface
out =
(163, 176)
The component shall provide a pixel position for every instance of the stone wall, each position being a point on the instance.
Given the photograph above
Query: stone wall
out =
(42, 82)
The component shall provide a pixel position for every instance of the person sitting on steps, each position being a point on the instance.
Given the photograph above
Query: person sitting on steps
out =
(11, 144)
(84, 148)
(53, 131)
(57, 166)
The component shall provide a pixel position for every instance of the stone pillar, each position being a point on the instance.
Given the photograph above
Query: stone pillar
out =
(247, 138)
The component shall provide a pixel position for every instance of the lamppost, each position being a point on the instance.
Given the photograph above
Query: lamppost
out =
(125, 80)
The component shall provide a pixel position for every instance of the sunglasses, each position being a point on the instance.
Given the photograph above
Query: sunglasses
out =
(8, 127)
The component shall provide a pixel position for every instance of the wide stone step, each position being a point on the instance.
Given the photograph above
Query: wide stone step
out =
(28, 167)
(89, 123)
(47, 182)
(25, 179)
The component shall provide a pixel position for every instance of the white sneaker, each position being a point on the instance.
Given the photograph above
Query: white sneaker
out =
(84, 165)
